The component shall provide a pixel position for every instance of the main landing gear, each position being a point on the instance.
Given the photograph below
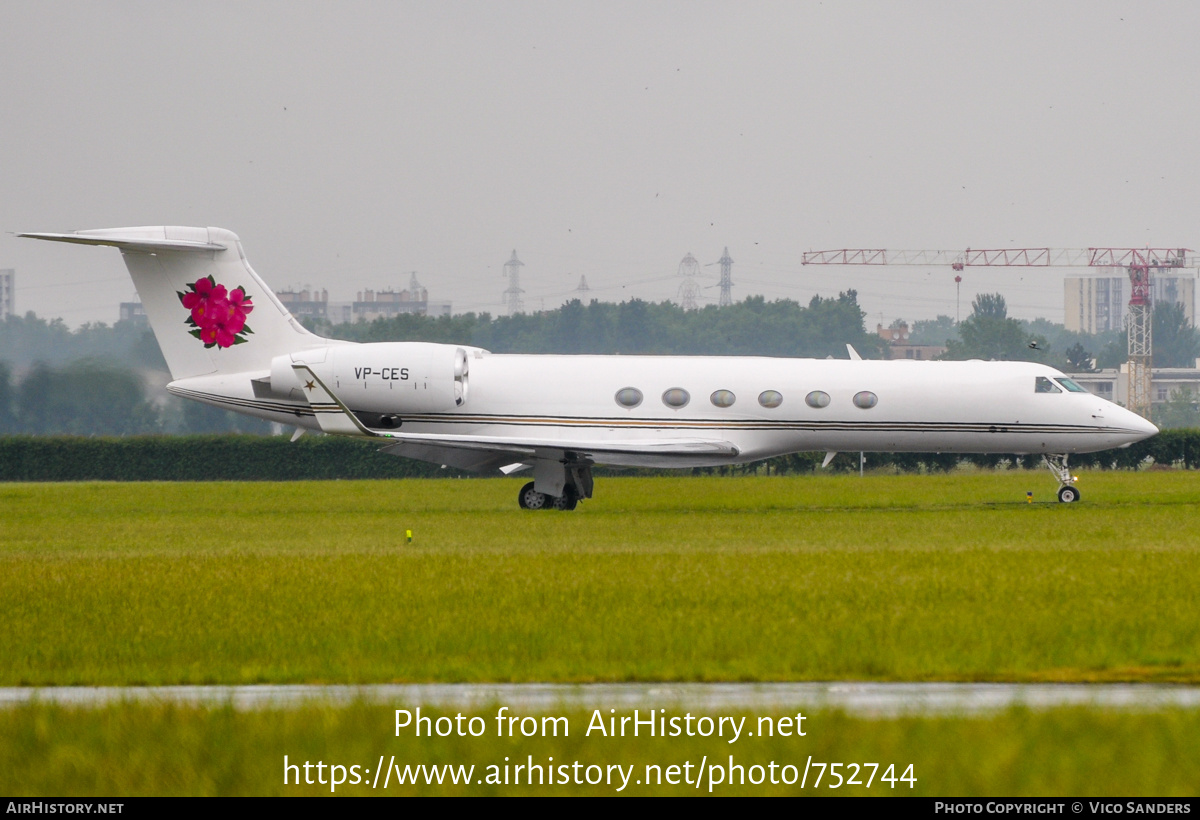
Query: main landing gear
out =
(1067, 491)
(556, 485)
(530, 499)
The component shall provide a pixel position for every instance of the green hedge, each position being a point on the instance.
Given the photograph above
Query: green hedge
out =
(1177, 447)
(201, 458)
(275, 458)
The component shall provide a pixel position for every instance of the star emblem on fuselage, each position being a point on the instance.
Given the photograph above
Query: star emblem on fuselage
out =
(309, 386)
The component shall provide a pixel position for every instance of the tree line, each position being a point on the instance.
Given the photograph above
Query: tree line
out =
(98, 397)
(752, 327)
(92, 380)
(989, 333)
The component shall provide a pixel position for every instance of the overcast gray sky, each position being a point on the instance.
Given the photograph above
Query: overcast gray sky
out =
(349, 143)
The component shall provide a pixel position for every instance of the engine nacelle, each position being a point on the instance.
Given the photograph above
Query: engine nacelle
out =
(383, 382)
(283, 382)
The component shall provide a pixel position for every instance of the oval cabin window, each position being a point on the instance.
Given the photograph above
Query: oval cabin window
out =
(817, 398)
(770, 398)
(676, 397)
(723, 398)
(629, 397)
(865, 400)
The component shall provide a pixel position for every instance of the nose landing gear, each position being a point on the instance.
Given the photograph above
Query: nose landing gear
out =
(1057, 464)
(1068, 494)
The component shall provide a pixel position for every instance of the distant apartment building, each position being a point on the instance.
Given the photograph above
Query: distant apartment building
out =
(385, 304)
(306, 304)
(367, 306)
(899, 346)
(1113, 383)
(134, 313)
(8, 286)
(1095, 304)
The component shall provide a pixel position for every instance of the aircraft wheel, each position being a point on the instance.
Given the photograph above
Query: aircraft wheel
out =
(567, 501)
(531, 499)
(1068, 494)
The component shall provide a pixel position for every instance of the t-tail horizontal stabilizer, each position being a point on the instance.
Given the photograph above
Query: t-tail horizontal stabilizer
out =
(118, 238)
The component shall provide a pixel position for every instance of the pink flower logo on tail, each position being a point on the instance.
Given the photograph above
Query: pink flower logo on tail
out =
(218, 315)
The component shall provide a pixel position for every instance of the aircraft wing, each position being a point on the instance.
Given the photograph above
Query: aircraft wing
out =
(482, 453)
(477, 461)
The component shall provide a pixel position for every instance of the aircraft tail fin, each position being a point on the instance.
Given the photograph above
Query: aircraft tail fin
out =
(209, 310)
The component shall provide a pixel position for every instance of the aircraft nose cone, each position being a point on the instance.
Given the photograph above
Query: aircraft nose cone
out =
(1146, 427)
(1142, 428)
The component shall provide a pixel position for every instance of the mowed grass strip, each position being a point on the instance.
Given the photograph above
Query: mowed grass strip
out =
(153, 749)
(949, 577)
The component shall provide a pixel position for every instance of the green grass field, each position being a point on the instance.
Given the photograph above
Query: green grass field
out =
(944, 577)
(948, 577)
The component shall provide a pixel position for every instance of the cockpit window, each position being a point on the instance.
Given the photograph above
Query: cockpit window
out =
(1044, 385)
(1071, 386)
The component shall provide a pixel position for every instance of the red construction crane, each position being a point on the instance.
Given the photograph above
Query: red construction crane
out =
(1138, 263)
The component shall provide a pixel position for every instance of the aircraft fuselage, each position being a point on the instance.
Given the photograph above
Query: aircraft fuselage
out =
(763, 406)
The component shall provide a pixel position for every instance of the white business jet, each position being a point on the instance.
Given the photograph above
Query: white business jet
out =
(231, 343)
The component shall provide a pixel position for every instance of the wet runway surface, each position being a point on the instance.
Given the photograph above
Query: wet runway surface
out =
(866, 699)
